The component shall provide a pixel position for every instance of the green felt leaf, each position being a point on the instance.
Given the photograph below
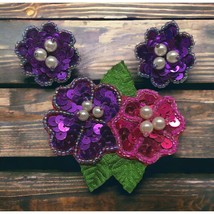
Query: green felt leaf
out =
(120, 77)
(127, 172)
(96, 175)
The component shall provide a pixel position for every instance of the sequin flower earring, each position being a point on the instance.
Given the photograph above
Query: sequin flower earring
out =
(47, 54)
(166, 55)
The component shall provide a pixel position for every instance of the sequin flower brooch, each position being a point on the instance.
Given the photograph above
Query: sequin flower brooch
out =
(166, 55)
(47, 54)
(111, 129)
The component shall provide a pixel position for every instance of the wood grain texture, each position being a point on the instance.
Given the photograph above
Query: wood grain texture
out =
(22, 133)
(103, 44)
(67, 191)
(106, 11)
(106, 33)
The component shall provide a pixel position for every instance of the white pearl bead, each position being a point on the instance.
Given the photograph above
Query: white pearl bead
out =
(146, 128)
(87, 105)
(159, 63)
(159, 123)
(50, 45)
(51, 62)
(172, 56)
(97, 112)
(160, 49)
(40, 54)
(146, 112)
(83, 115)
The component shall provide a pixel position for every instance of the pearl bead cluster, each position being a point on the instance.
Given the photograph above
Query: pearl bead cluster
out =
(41, 54)
(146, 127)
(87, 106)
(161, 50)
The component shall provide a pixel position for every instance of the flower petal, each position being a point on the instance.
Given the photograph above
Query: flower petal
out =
(75, 58)
(21, 49)
(131, 106)
(67, 37)
(64, 130)
(32, 32)
(71, 97)
(167, 108)
(43, 79)
(189, 60)
(147, 97)
(50, 28)
(142, 52)
(95, 140)
(61, 76)
(107, 97)
(185, 40)
(151, 34)
(28, 69)
(148, 150)
(160, 82)
(151, 150)
(170, 30)
(145, 69)
(127, 134)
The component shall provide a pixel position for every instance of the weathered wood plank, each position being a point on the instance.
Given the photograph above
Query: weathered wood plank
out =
(102, 44)
(106, 11)
(22, 134)
(67, 191)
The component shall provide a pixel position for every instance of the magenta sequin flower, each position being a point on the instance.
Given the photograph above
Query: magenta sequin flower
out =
(147, 126)
(47, 54)
(78, 125)
(165, 55)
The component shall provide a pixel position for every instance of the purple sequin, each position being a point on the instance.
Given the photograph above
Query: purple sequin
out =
(65, 53)
(175, 72)
(86, 140)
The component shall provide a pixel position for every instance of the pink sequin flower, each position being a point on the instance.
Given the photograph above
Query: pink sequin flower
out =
(78, 125)
(147, 126)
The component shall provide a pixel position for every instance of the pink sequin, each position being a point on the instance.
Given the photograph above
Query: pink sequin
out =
(61, 135)
(175, 123)
(167, 144)
(62, 127)
(97, 128)
(59, 118)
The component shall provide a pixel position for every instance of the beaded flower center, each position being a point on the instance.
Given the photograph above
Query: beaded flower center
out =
(146, 127)
(163, 56)
(41, 54)
(87, 106)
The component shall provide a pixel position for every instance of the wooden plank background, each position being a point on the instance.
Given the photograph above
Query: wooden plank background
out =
(31, 178)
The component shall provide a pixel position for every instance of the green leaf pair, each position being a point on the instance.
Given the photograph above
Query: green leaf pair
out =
(127, 172)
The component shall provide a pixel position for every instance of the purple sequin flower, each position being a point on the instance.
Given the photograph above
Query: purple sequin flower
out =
(165, 55)
(47, 54)
(78, 123)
